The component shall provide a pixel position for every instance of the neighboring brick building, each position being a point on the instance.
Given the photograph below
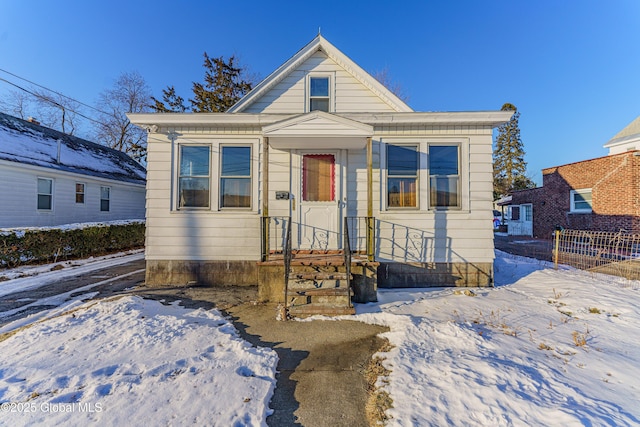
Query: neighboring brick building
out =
(599, 194)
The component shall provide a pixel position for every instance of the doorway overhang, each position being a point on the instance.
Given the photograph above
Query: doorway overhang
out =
(318, 130)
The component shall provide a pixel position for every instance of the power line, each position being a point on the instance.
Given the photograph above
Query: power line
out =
(52, 101)
(50, 90)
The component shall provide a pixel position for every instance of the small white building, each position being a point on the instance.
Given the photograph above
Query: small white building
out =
(50, 178)
(320, 140)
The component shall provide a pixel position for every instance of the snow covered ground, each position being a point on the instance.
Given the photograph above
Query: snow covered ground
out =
(543, 347)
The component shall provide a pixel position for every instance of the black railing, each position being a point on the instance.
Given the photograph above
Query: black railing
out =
(287, 264)
(361, 232)
(274, 232)
(347, 258)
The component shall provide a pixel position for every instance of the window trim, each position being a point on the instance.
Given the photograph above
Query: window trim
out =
(108, 199)
(38, 194)
(330, 97)
(458, 145)
(84, 193)
(572, 206)
(178, 207)
(417, 146)
(221, 177)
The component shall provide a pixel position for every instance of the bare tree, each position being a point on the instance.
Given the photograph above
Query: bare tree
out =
(384, 76)
(57, 111)
(17, 103)
(129, 94)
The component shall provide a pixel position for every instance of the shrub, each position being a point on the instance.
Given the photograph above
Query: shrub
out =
(50, 245)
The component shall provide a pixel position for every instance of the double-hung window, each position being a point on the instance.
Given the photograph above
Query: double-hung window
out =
(45, 194)
(79, 193)
(319, 95)
(194, 176)
(444, 176)
(235, 176)
(402, 176)
(105, 199)
(581, 201)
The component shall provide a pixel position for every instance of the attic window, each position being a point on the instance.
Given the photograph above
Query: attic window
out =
(319, 98)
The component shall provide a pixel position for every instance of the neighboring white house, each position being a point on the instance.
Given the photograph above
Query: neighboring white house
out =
(51, 178)
(317, 141)
(628, 139)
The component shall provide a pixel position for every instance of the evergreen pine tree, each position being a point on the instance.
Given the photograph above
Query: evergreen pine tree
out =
(171, 102)
(223, 86)
(509, 167)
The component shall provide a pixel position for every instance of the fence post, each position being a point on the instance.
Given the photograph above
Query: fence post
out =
(556, 249)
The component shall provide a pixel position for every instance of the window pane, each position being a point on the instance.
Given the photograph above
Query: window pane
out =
(318, 179)
(193, 183)
(319, 104)
(402, 192)
(44, 186)
(236, 161)
(443, 160)
(79, 197)
(193, 192)
(104, 205)
(104, 192)
(236, 192)
(444, 191)
(402, 160)
(582, 201)
(319, 86)
(44, 202)
(194, 161)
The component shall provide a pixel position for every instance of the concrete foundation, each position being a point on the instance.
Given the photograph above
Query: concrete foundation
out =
(422, 275)
(201, 273)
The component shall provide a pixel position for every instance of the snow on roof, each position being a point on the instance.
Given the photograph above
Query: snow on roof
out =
(25, 142)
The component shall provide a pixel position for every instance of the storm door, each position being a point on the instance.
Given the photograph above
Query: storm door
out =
(319, 201)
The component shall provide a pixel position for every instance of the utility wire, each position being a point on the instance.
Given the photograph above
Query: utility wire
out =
(52, 101)
(50, 90)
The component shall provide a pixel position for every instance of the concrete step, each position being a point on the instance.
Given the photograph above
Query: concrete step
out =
(321, 276)
(322, 292)
(312, 309)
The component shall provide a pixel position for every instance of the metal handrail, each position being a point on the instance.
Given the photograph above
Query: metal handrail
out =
(347, 258)
(287, 263)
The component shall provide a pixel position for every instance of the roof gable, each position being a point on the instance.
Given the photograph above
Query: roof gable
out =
(318, 129)
(28, 143)
(321, 44)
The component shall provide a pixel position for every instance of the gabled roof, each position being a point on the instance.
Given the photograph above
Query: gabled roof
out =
(28, 143)
(629, 133)
(319, 43)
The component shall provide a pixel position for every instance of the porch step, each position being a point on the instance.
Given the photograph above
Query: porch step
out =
(313, 309)
(321, 276)
(322, 292)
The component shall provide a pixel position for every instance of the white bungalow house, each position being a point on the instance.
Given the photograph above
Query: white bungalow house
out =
(323, 146)
(50, 178)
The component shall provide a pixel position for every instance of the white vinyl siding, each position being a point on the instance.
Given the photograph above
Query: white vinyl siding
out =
(198, 234)
(19, 208)
(289, 95)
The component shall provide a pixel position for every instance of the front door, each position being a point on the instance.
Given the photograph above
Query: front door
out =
(319, 201)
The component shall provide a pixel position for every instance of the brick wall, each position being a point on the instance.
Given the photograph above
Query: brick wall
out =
(615, 184)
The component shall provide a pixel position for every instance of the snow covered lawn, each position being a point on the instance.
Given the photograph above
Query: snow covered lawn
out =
(543, 347)
(130, 361)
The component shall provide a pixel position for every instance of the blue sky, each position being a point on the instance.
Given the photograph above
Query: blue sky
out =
(571, 67)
